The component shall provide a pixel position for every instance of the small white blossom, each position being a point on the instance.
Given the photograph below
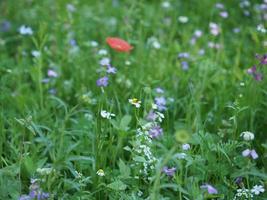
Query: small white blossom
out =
(35, 53)
(25, 30)
(247, 135)
(183, 19)
(106, 114)
(257, 189)
(165, 4)
(186, 147)
(93, 43)
(102, 52)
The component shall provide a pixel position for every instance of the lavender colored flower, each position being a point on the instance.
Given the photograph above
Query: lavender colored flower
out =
(52, 73)
(151, 116)
(161, 103)
(183, 55)
(73, 42)
(52, 91)
(5, 26)
(210, 188)
(252, 70)
(104, 61)
(185, 65)
(169, 171)
(186, 147)
(159, 90)
(258, 76)
(102, 82)
(111, 70)
(155, 131)
(45, 80)
(224, 14)
(25, 197)
(214, 29)
(252, 153)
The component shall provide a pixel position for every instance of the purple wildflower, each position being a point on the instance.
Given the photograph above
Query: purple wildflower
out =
(155, 131)
(104, 62)
(210, 188)
(258, 76)
(111, 70)
(25, 197)
(45, 80)
(5, 26)
(159, 90)
(185, 65)
(262, 59)
(73, 42)
(102, 82)
(151, 116)
(186, 147)
(52, 73)
(169, 171)
(161, 103)
(238, 180)
(183, 55)
(252, 153)
(252, 70)
(224, 14)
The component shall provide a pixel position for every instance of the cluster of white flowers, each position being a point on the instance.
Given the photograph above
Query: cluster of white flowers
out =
(45, 171)
(243, 194)
(261, 28)
(246, 194)
(142, 148)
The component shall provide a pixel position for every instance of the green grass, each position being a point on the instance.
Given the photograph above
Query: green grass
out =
(213, 102)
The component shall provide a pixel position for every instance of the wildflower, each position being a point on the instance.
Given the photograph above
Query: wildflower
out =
(100, 172)
(155, 131)
(238, 180)
(102, 82)
(247, 135)
(35, 192)
(151, 116)
(161, 103)
(262, 59)
(73, 42)
(169, 171)
(183, 55)
(159, 90)
(70, 7)
(52, 73)
(94, 44)
(52, 91)
(119, 44)
(252, 70)
(236, 30)
(111, 70)
(198, 33)
(252, 153)
(5, 26)
(261, 28)
(165, 4)
(183, 19)
(127, 62)
(35, 53)
(243, 194)
(210, 188)
(224, 14)
(257, 189)
(102, 52)
(219, 5)
(185, 65)
(104, 61)
(106, 114)
(186, 147)
(25, 30)
(135, 102)
(201, 52)
(214, 28)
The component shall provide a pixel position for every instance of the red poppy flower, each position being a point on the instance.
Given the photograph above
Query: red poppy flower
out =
(119, 44)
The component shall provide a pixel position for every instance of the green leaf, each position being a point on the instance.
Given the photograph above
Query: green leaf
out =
(124, 169)
(125, 121)
(139, 159)
(117, 185)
